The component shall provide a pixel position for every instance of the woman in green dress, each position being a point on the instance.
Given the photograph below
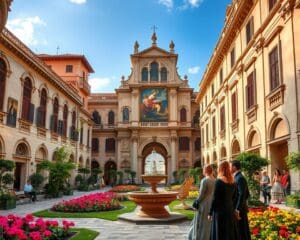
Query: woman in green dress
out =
(200, 229)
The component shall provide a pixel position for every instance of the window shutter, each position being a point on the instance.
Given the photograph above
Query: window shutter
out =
(38, 117)
(254, 87)
(60, 127)
(51, 123)
(31, 113)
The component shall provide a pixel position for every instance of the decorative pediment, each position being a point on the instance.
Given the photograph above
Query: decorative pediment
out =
(154, 51)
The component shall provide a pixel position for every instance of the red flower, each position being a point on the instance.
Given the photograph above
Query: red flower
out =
(255, 231)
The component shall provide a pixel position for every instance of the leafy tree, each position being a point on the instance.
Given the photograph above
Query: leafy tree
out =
(252, 163)
(293, 160)
(175, 177)
(59, 171)
(36, 180)
(181, 175)
(132, 175)
(6, 178)
(113, 176)
(195, 173)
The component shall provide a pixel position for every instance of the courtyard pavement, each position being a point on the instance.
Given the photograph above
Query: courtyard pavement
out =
(110, 230)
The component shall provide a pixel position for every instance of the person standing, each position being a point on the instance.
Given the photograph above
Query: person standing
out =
(28, 190)
(222, 209)
(200, 223)
(266, 188)
(277, 189)
(286, 182)
(240, 202)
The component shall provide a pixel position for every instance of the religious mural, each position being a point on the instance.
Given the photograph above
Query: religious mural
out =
(154, 105)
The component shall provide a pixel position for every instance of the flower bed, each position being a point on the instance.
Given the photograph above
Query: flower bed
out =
(177, 187)
(13, 227)
(193, 194)
(125, 188)
(89, 203)
(274, 224)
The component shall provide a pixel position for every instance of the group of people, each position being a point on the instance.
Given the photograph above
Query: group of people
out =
(278, 188)
(222, 211)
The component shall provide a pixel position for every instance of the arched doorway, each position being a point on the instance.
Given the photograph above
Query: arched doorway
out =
(278, 145)
(95, 165)
(108, 167)
(161, 155)
(22, 158)
(223, 153)
(197, 164)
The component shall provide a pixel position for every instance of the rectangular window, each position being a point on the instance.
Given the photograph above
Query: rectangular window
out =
(234, 106)
(184, 144)
(202, 137)
(81, 135)
(272, 4)
(232, 57)
(197, 145)
(250, 90)
(69, 68)
(214, 126)
(221, 76)
(205, 101)
(95, 145)
(212, 90)
(249, 30)
(88, 138)
(110, 145)
(222, 118)
(274, 68)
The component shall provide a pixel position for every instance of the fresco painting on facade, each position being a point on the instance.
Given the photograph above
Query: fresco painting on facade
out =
(12, 110)
(154, 105)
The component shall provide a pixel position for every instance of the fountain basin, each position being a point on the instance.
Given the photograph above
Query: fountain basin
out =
(152, 204)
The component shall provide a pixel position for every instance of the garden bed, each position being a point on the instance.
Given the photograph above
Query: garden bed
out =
(125, 188)
(126, 207)
(95, 202)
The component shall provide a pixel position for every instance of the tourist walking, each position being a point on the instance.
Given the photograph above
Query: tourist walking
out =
(224, 226)
(29, 191)
(277, 189)
(240, 201)
(266, 187)
(286, 182)
(200, 224)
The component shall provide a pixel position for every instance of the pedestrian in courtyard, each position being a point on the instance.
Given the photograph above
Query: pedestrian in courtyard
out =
(29, 191)
(286, 182)
(224, 224)
(277, 189)
(200, 223)
(240, 201)
(266, 187)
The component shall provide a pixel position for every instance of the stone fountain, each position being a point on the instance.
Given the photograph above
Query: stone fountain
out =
(152, 204)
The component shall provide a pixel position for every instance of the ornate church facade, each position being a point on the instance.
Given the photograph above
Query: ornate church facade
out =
(153, 109)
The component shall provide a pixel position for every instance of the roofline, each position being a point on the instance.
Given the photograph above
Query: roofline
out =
(63, 56)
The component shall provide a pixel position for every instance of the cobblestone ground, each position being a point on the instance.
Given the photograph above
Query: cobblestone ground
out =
(111, 230)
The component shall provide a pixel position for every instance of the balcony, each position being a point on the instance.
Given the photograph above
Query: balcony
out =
(84, 85)
(276, 98)
(154, 124)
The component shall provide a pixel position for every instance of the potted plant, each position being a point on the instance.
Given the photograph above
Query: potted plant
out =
(7, 197)
(293, 200)
(59, 172)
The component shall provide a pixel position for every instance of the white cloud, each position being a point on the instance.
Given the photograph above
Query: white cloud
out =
(193, 70)
(190, 4)
(101, 85)
(24, 29)
(78, 1)
(167, 3)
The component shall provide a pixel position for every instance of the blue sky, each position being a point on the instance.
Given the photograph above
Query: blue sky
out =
(105, 32)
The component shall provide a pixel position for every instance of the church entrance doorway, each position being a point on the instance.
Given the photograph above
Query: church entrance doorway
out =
(154, 159)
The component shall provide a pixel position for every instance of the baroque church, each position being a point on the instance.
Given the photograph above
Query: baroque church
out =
(153, 111)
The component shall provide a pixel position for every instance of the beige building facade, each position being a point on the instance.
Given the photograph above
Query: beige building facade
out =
(39, 112)
(249, 94)
(153, 109)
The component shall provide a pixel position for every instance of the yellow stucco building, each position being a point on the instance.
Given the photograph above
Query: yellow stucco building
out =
(249, 95)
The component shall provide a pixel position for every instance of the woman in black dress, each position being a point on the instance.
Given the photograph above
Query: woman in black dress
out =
(222, 213)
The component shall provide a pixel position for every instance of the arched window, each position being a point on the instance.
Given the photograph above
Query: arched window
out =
(3, 72)
(96, 118)
(54, 120)
(163, 75)
(26, 103)
(145, 74)
(73, 132)
(126, 114)
(41, 117)
(182, 115)
(154, 71)
(111, 118)
(65, 120)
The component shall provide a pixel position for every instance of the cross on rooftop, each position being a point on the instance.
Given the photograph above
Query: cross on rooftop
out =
(154, 28)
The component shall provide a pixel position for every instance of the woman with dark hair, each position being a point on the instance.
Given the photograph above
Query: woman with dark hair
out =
(200, 224)
(222, 212)
(277, 189)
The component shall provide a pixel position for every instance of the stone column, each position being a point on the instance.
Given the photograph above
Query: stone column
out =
(134, 155)
(135, 107)
(173, 153)
(173, 107)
